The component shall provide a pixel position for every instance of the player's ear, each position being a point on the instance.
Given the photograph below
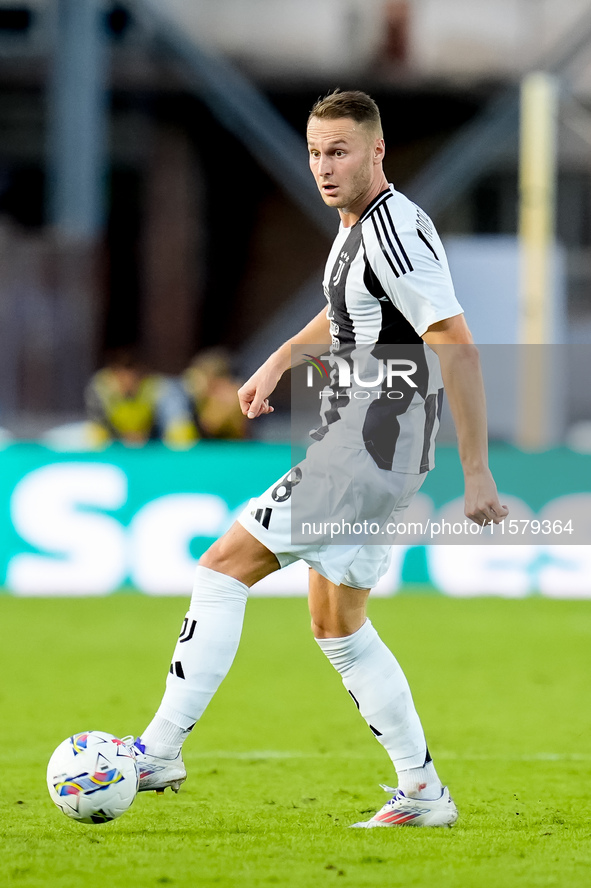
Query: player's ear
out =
(379, 150)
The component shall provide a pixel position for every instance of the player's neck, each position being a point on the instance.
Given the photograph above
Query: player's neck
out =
(351, 215)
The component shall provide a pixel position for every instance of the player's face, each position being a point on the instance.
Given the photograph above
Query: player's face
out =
(345, 159)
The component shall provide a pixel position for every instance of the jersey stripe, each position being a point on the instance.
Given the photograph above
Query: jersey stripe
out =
(394, 327)
(423, 237)
(387, 231)
(430, 415)
(398, 241)
(341, 326)
(337, 400)
(382, 247)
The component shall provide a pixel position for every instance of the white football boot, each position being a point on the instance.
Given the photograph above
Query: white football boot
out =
(403, 811)
(158, 773)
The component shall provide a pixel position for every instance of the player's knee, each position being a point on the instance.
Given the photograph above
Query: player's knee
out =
(317, 630)
(328, 624)
(223, 557)
(216, 556)
(240, 555)
(329, 628)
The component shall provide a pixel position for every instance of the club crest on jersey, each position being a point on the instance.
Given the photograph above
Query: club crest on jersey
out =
(344, 258)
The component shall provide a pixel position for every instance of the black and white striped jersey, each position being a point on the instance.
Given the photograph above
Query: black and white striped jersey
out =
(386, 282)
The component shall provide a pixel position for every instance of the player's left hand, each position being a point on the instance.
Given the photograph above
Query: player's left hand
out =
(482, 501)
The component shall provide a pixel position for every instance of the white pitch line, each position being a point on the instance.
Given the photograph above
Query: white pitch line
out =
(262, 754)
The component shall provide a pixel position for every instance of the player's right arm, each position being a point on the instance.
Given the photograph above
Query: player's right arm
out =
(254, 394)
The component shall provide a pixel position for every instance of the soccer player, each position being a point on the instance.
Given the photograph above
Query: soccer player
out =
(386, 281)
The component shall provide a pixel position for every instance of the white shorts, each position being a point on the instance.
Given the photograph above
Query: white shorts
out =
(342, 483)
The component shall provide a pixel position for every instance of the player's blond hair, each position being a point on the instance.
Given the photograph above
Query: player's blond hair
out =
(348, 103)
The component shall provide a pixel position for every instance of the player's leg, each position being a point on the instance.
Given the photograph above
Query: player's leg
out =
(205, 650)
(240, 555)
(375, 681)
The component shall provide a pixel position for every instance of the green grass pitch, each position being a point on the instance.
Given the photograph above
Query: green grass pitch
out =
(282, 763)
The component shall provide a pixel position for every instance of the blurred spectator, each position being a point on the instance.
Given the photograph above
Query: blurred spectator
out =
(124, 402)
(212, 391)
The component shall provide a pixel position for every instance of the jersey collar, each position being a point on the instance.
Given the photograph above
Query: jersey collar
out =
(371, 206)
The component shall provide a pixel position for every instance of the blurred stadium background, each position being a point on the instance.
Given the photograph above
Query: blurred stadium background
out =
(154, 194)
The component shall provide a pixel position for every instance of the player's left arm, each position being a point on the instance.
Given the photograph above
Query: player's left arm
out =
(462, 378)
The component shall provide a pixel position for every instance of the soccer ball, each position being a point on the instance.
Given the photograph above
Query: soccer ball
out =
(93, 777)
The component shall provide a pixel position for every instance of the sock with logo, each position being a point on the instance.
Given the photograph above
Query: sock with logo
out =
(372, 676)
(204, 652)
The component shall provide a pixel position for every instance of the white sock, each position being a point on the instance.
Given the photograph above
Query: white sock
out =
(377, 684)
(420, 783)
(206, 648)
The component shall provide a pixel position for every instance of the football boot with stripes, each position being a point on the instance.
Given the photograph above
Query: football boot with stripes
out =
(158, 773)
(401, 810)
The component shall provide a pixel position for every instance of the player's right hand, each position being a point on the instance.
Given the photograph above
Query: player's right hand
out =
(254, 394)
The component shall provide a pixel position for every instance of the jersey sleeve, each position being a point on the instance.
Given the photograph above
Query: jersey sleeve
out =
(408, 258)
